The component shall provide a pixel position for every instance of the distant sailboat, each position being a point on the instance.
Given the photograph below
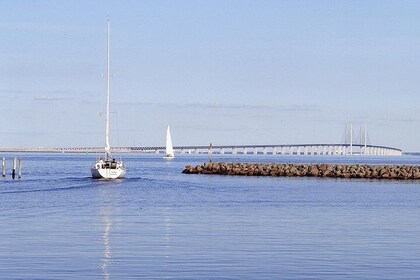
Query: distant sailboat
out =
(169, 149)
(108, 167)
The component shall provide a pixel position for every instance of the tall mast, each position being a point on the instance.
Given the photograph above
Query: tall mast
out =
(107, 147)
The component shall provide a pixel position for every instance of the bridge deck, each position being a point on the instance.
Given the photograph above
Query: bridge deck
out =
(200, 147)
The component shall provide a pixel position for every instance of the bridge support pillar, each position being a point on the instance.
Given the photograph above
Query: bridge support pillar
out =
(264, 150)
(245, 151)
(283, 150)
(291, 150)
(298, 151)
(234, 151)
(274, 151)
(255, 151)
(305, 150)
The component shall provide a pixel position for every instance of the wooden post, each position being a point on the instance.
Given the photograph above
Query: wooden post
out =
(3, 167)
(19, 168)
(14, 168)
(211, 151)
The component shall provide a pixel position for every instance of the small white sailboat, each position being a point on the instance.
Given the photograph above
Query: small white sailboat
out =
(108, 167)
(169, 149)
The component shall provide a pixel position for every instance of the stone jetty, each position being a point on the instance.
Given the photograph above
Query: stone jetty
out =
(402, 172)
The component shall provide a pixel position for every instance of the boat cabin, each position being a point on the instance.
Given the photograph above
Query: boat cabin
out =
(107, 164)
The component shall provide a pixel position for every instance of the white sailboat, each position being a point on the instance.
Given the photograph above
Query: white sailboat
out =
(108, 167)
(169, 149)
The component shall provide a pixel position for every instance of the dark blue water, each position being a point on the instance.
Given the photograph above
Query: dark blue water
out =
(58, 223)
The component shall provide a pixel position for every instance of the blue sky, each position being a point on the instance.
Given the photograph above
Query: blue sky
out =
(226, 72)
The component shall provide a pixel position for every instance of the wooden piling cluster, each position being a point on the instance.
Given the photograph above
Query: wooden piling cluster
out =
(402, 172)
(17, 164)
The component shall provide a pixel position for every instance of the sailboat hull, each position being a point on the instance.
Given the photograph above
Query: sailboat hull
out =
(168, 157)
(108, 173)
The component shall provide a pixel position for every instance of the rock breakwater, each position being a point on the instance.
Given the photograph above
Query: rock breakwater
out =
(402, 172)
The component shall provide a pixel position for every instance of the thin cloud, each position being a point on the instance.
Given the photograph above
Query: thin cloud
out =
(55, 95)
(402, 120)
(202, 128)
(300, 108)
(21, 133)
(85, 102)
(43, 27)
(139, 104)
(197, 105)
(231, 106)
(224, 106)
(60, 92)
(11, 91)
(50, 98)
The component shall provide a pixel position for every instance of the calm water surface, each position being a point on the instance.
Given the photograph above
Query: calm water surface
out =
(57, 222)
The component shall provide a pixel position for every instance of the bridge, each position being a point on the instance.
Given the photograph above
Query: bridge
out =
(296, 149)
(352, 145)
(275, 149)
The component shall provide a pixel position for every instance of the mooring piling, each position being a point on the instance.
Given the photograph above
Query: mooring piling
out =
(14, 168)
(3, 167)
(19, 168)
(210, 152)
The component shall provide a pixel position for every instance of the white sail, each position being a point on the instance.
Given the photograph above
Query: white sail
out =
(169, 148)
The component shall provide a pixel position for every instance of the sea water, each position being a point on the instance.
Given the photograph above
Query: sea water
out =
(58, 223)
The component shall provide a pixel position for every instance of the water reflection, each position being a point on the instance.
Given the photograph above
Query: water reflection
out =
(107, 199)
(107, 256)
(168, 232)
